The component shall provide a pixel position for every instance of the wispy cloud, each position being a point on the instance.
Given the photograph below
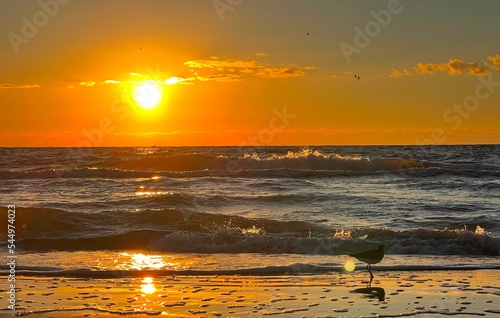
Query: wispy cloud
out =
(168, 81)
(179, 80)
(217, 63)
(106, 82)
(495, 61)
(217, 69)
(231, 70)
(276, 72)
(7, 86)
(221, 78)
(452, 67)
(88, 83)
(111, 82)
(261, 54)
(397, 73)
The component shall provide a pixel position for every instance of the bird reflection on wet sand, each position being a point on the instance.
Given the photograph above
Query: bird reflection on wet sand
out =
(371, 292)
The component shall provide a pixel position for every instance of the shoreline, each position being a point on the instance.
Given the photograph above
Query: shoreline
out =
(391, 294)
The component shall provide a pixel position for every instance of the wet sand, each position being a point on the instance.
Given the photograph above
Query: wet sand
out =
(392, 294)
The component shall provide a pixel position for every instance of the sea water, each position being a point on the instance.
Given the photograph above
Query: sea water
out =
(256, 210)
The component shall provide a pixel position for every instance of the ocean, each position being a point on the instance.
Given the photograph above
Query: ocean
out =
(110, 212)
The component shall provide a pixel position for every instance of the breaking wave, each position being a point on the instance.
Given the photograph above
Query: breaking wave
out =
(303, 163)
(171, 230)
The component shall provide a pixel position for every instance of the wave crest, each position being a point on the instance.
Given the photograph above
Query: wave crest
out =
(303, 163)
(173, 230)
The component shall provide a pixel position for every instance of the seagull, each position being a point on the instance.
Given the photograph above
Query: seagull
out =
(370, 257)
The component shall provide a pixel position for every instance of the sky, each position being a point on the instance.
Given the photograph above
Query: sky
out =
(79, 73)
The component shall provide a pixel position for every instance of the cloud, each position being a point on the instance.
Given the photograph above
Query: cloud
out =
(276, 72)
(168, 81)
(396, 73)
(495, 61)
(218, 69)
(231, 70)
(217, 63)
(89, 83)
(7, 85)
(429, 68)
(247, 71)
(111, 82)
(93, 83)
(220, 78)
(261, 54)
(452, 67)
(178, 80)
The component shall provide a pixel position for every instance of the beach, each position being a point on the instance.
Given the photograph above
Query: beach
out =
(391, 294)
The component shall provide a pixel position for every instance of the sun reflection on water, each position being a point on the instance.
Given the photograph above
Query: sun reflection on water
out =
(145, 192)
(148, 286)
(141, 261)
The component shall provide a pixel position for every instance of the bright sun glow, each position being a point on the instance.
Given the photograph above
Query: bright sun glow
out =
(141, 261)
(349, 266)
(148, 286)
(148, 94)
(173, 80)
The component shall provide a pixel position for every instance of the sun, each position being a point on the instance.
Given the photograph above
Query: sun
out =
(148, 94)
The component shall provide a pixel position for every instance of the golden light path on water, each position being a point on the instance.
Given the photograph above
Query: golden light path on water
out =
(141, 261)
(147, 286)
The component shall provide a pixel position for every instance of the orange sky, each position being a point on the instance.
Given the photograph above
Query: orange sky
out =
(252, 73)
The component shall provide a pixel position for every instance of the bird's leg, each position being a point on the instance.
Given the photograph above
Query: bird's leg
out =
(369, 270)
